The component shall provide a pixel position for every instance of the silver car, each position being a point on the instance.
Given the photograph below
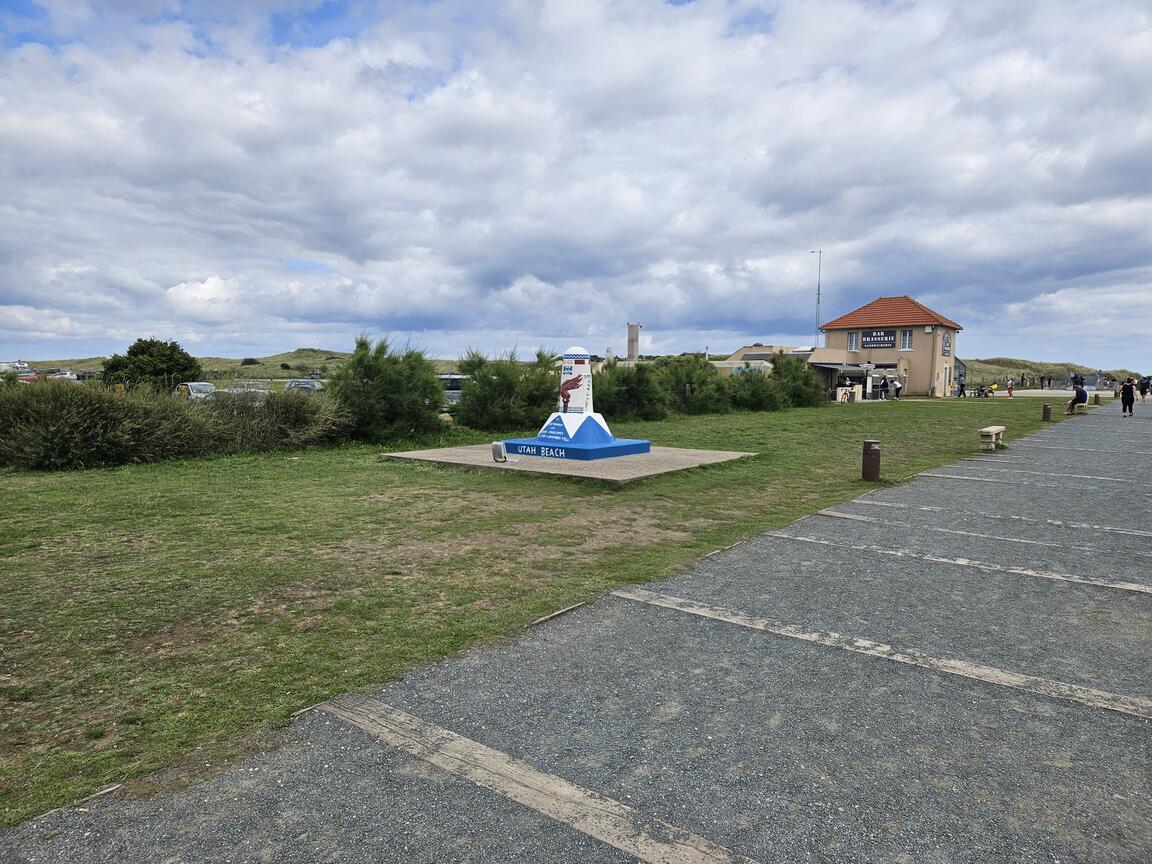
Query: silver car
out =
(194, 390)
(303, 385)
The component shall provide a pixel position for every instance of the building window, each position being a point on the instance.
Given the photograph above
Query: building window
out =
(905, 340)
(853, 341)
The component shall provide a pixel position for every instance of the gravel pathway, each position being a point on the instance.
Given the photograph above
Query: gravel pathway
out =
(695, 735)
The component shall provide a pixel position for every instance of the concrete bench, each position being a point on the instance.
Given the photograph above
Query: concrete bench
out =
(990, 437)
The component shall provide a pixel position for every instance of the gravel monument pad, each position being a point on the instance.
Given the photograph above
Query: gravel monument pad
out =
(618, 469)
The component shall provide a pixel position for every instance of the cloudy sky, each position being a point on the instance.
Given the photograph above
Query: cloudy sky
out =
(251, 177)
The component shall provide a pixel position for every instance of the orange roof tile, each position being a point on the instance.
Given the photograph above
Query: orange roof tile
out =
(889, 312)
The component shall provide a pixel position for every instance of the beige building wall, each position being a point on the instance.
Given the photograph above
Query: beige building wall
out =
(925, 368)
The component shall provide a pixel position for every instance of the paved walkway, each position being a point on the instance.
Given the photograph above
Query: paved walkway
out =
(954, 670)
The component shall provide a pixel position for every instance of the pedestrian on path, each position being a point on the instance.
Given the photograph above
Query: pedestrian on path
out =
(1127, 397)
(1011, 386)
(960, 394)
(884, 388)
(1144, 384)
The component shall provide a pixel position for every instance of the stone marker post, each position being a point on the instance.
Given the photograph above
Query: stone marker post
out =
(870, 464)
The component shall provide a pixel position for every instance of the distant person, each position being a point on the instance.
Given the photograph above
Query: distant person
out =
(960, 394)
(884, 388)
(1080, 397)
(1042, 379)
(1011, 386)
(897, 386)
(1144, 385)
(1127, 397)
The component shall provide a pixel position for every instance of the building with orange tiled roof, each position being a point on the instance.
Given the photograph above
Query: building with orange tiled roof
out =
(891, 337)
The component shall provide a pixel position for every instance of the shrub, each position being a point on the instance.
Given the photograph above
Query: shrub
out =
(629, 391)
(153, 364)
(279, 421)
(797, 386)
(285, 366)
(249, 361)
(55, 425)
(388, 394)
(58, 425)
(754, 389)
(692, 384)
(506, 394)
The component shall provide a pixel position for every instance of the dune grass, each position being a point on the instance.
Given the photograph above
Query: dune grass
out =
(169, 617)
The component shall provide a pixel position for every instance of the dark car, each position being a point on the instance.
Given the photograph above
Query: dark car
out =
(303, 385)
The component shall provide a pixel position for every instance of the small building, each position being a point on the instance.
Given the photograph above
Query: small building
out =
(758, 351)
(892, 337)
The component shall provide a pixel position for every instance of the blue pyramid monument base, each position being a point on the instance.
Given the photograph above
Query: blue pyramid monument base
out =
(576, 436)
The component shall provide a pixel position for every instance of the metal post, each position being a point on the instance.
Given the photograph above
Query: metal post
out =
(870, 464)
(1047, 417)
(819, 253)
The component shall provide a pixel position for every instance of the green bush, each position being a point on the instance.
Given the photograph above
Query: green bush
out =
(54, 425)
(504, 393)
(248, 423)
(693, 385)
(152, 363)
(755, 390)
(627, 392)
(388, 394)
(797, 385)
(59, 425)
(249, 361)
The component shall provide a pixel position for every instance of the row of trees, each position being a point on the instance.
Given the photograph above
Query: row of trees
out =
(394, 394)
(379, 394)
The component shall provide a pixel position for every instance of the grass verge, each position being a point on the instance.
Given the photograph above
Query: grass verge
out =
(165, 617)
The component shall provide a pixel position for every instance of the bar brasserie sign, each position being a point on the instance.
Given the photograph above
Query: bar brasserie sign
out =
(878, 339)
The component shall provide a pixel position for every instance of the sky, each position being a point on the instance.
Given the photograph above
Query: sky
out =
(251, 177)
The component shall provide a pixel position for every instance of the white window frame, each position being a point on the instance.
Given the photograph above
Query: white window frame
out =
(905, 340)
(854, 341)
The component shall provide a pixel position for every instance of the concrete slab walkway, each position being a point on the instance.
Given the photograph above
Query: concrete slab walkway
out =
(953, 670)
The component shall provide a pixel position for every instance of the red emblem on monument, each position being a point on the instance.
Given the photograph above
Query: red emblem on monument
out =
(567, 387)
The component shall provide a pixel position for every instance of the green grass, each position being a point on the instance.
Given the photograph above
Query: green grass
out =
(166, 617)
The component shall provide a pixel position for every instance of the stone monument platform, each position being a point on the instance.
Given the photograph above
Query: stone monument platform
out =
(619, 469)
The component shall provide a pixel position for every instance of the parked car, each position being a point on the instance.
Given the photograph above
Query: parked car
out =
(303, 385)
(194, 390)
(452, 384)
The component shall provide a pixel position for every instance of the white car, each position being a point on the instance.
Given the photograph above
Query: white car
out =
(194, 390)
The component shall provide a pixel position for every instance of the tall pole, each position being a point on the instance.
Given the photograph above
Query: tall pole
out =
(819, 253)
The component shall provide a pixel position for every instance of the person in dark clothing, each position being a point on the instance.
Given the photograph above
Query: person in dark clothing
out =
(1081, 398)
(1144, 384)
(1127, 397)
(884, 387)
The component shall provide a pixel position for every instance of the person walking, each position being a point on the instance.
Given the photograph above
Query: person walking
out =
(1011, 386)
(1144, 385)
(960, 394)
(1127, 397)
(884, 388)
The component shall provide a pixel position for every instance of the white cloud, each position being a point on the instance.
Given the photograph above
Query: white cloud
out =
(460, 171)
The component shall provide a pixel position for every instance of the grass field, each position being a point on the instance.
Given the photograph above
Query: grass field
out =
(160, 620)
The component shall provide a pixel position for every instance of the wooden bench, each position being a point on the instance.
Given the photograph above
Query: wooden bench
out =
(1080, 408)
(990, 437)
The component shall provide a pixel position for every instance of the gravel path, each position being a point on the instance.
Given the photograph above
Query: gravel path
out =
(774, 748)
